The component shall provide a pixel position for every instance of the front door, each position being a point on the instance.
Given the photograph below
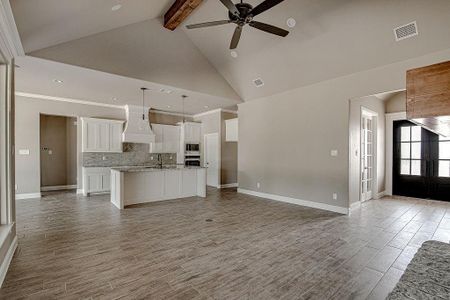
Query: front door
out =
(421, 162)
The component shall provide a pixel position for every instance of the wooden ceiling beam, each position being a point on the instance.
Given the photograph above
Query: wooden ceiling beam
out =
(178, 12)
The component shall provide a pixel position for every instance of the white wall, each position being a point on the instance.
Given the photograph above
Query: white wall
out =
(27, 135)
(376, 105)
(285, 139)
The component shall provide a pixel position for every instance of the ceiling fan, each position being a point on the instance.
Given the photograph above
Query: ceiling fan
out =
(242, 14)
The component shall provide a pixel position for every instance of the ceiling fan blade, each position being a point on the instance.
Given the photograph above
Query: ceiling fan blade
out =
(236, 37)
(231, 7)
(208, 24)
(269, 28)
(268, 4)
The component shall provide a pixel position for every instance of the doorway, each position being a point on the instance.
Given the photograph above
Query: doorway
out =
(212, 159)
(58, 152)
(421, 162)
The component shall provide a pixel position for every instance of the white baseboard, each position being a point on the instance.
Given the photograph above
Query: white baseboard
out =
(80, 191)
(7, 261)
(355, 205)
(28, 196)
(229, 185)
(58, 188)
(380, 195)
(338, 209)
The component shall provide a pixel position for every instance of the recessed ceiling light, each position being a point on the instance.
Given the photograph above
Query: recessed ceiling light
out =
(291, 22)
(114, 99)
(206, 106)
(168, 106)
(58, 80)
(234, 54)
(116, 7)
(169, 92)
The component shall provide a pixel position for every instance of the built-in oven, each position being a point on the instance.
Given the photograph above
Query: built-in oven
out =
(192, 148)
(192, 160)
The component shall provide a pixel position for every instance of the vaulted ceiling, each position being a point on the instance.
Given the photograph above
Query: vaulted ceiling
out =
(332, 38)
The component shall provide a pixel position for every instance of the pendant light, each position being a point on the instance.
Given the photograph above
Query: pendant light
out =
(143, 103)
(183, 98)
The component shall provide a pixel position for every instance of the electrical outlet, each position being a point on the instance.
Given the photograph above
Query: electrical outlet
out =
(334, 153)
(258, 185)
(334, 196)
(103, 157)
(50, 152)
(151, 157)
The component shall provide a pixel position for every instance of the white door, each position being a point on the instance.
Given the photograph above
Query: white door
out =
(367, 157)
(211, 159)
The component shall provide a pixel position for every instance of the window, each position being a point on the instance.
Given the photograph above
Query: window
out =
(444, 156)
(411, 150)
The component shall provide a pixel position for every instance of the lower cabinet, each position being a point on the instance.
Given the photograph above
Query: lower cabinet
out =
(96, 180)
(141, 187)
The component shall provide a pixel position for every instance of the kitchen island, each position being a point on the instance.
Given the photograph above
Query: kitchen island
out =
(141, 184)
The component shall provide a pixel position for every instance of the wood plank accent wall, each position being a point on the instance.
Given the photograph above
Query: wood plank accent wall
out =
(428, 97)
(178, 12)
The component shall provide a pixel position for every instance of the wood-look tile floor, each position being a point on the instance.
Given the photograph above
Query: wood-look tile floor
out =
(72, 247)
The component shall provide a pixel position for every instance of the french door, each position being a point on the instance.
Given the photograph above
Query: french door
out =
(421, 162)
(367, 158)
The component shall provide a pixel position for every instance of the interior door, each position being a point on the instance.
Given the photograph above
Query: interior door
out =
(367, 158)
(211, 152)
(421, 162)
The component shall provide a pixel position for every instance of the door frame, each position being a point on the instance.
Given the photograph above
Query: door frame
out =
(219, 163)
(390, 118)
(366, 112)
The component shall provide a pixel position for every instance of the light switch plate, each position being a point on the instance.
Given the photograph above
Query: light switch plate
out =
(24, 151)
(334, 153)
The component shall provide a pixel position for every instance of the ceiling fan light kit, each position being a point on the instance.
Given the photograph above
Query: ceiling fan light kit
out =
(242, 14)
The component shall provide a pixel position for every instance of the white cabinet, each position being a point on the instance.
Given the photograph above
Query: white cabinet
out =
(192, 132)
(189, 182)
(172, 184)
(171, 139)
(100, 135)
(96, 180)
(167, 139)
(157, 145)
(231, 130)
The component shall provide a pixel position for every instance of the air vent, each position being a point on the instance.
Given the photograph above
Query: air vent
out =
(406, 31)
(258, 82)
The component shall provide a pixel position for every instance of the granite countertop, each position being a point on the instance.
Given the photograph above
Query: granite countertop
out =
(153, 168)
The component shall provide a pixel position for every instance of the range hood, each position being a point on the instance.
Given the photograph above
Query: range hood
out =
(137, 129)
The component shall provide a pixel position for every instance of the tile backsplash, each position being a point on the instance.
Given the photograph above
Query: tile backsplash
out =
(132, 155)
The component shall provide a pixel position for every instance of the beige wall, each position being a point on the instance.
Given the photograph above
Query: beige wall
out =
(376, 105)
(28, 111)
(228, 153)
(146, 51)
(285, 139)
(396, 103)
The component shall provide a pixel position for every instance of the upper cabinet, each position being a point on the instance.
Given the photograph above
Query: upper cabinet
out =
(167, 139)
(192, 132)
(231, 130)
(101, 135)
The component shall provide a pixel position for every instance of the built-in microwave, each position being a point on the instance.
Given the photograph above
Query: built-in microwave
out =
(189, 148)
